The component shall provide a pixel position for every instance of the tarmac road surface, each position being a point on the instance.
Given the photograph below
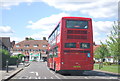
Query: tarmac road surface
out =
(39, 70)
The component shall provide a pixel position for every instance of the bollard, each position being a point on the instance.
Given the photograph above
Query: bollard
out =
(7, 66)
(17, 63)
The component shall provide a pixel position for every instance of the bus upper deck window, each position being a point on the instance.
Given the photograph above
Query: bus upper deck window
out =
(77, 24)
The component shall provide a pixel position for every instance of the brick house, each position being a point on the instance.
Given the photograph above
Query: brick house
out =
(6, 44)
(32, 49)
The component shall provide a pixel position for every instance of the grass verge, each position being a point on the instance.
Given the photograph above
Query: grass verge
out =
(109, 68)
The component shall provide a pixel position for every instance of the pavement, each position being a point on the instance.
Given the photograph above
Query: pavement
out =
(107, 72)
(12, 70)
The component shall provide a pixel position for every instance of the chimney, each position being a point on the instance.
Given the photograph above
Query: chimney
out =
(13, 43)
(26, 38)
(94, 44)
(44, 38)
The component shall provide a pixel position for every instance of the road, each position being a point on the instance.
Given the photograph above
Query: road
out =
(39, 70)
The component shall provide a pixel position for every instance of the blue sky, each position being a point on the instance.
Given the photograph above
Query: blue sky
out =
(37, 18)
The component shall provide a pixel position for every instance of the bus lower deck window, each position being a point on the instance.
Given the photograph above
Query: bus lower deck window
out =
(70, 45)
(84, 45)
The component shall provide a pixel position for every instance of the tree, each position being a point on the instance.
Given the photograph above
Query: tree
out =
(30, 38)
(114, 42)
(20, 56)
(5, 56)
(100, 53)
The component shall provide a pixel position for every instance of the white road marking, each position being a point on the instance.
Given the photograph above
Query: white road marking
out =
(36, 73)
(47, 68)
(86, 77)
(39, 78)
(29, 77)
(64, 77)
(55, 74)
(32, 72)
(45, 78)
(51, 77)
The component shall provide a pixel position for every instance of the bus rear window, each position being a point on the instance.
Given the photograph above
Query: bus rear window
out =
(77, 24)
(70, 45)
(84, 45)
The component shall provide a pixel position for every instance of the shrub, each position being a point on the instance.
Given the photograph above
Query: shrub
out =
(106, 63)
(5, 56)
(13, 60)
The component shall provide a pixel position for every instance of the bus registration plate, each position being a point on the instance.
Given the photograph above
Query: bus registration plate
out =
(76, 66)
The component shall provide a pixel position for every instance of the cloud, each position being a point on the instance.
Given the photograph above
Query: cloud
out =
(101, 29)
(6, 4)
(103, 26)
(5, 29)
(40, 35)
(46, 23)
(95, 9)
(16, 39)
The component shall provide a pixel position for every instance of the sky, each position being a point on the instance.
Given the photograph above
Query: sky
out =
(38, 18)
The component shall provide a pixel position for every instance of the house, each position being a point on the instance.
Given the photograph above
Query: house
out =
(6, 45)
(34, 50)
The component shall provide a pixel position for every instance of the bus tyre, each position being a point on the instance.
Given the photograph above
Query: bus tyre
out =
(56, 71)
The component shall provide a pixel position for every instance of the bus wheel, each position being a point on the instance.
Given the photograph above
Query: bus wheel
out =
(56, 71)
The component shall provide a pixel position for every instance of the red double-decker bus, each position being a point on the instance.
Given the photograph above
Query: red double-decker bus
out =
(71, 46)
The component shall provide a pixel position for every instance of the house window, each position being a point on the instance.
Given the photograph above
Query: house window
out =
(17, 45)
(26, 46)
(35, 45)
(44, 45)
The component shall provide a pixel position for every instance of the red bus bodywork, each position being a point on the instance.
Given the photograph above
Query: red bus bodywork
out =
(71, 45)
